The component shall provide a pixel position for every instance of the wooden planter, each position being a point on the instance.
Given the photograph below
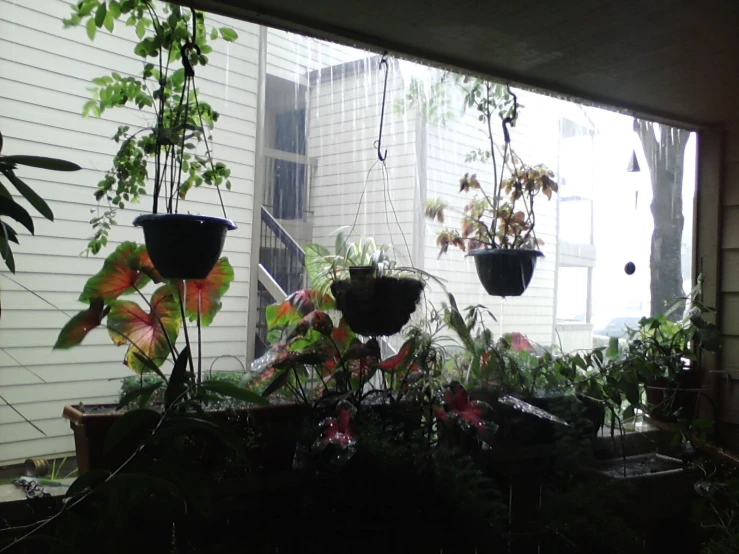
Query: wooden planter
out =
(276, 429)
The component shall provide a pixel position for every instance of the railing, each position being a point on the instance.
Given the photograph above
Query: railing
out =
(281, 255)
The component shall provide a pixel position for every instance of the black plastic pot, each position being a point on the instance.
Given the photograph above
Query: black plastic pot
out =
(183, 246)
(376, 306)
(505, 272)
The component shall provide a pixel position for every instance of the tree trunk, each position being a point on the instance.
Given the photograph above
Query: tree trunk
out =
(665, 159)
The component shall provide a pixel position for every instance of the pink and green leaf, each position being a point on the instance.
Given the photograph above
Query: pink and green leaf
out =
(204, 295)
(116, 278)
(399, 360)
(343, 335)
(144, 332)
(80, 325)
(141, 261)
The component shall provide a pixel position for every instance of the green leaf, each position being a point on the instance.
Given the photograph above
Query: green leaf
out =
(100, 14)
(140, 29)
(177, 380)
(231, 390)
(131, 424)
(178, 78)
(86, 481)
(109, 22)
(12, 209)
(91, 29)
(214, 34)
(41, 162)
(6, 251)
(114, 9)
(229, 35)
(144, 393)
(29, 194)
(183, 425)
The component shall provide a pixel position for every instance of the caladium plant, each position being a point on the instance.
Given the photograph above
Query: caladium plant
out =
(149, 330)
(313, 356)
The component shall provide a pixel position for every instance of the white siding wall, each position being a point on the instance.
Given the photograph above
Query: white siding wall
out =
(44, 74)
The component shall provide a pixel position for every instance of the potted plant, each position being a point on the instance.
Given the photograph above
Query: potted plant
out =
(664, 356)
(182, 246)
(497, 228)
(9, 208)
(532, 391)
(376, 297)
(150, 334)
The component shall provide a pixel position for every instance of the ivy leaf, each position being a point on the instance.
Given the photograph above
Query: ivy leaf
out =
(80, 325)
(229, 35)
(91, 29)
(109, 22)
(100, 14)
(116, 277)
(129, 324)
(114, 9)
(204, 295)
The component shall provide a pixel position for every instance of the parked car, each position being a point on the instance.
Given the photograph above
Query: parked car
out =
(617, 326)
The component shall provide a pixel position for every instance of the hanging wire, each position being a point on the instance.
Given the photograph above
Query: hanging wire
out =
(190, 76)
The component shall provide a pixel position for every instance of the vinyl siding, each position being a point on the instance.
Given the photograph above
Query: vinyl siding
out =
(45, 71)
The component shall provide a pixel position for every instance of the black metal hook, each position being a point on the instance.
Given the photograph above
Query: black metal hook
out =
(511, 118)
(190, 45)
(378, 143)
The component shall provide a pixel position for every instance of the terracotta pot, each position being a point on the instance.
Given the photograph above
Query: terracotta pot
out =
(275, 430)
(505, 272)
(184, 246)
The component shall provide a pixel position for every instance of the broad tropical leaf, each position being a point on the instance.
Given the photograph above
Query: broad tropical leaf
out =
(204, 295)
(80, 325)
(41, 162)
(29, 194)
(141, 261)
(116, 278)
(343, 335)
(129, 324)
(399, 360)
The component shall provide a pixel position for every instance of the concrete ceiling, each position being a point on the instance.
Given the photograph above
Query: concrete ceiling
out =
(676, 60)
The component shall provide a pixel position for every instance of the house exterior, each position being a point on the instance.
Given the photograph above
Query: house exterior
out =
(298, 127)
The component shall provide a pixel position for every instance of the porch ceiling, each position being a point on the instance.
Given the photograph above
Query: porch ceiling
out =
(677, 60)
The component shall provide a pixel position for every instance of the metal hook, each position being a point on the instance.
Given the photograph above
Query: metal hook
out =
(378, 143)
(511, 118)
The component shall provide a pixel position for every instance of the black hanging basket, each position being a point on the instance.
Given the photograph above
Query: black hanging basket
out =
(505, 272)
(183, 246)
(376, 306)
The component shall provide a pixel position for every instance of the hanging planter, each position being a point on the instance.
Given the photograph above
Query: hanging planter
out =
(505, 272)
(376, 305)
(497, 226)
(184, 246)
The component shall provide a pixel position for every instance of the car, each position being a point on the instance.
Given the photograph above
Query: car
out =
(617, 327)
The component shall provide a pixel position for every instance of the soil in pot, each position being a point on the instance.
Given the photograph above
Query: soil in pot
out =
(184, 246)
(377, 306)
(505, 272)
